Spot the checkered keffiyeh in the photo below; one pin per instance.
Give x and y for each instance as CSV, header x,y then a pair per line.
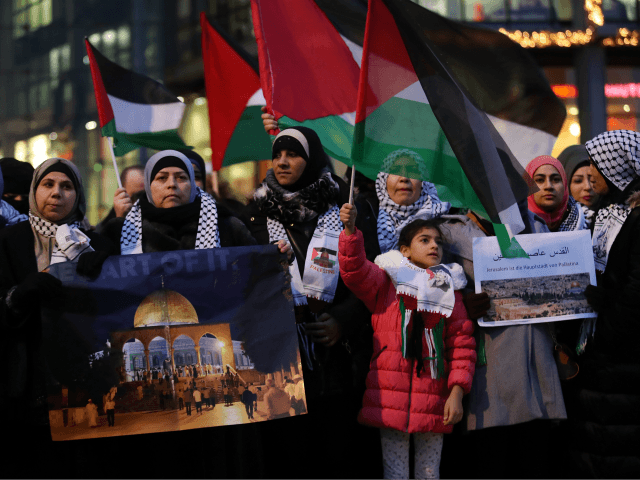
x,y
617,156
608,223
207,237
575,219
392,218
319,281
68,241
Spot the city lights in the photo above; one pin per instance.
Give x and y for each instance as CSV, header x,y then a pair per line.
x,y
90,125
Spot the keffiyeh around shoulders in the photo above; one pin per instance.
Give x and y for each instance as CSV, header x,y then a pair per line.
x,y
302,205
575,219
432,288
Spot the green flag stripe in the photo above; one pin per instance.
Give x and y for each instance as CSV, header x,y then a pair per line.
x,y
123,142
336,134
249,141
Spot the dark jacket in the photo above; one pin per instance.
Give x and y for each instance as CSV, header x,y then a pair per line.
x,y
334,375
21,337
158,237
604,412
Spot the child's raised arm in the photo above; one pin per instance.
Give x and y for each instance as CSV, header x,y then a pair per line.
x,y
348,214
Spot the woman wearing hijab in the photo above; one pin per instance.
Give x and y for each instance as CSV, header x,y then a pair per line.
x,y
552,201
403,199
175,214
52,235
605,419
575,160
299,202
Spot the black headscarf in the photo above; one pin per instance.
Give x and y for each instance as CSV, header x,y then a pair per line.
x,y
316,159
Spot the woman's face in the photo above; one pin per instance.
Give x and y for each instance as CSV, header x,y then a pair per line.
x,y
288,167
402,190
170,188
549,181
425,250
581,188
598,182
55,196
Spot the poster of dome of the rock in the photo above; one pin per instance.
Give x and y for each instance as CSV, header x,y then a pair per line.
x,y
172,341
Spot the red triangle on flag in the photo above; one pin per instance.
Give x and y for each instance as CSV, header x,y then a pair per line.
x,y
315,253
229,82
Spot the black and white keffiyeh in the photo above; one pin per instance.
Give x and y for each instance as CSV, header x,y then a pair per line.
x,y
575,220
617,156
321,268
608,223
392,217
68,241
276,202
208,235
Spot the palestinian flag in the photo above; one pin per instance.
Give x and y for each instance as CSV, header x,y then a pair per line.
x,y
308,73
321,49
234,98
135,110
414,120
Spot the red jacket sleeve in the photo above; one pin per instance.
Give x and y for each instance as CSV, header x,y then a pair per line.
x,y
364,278
460,346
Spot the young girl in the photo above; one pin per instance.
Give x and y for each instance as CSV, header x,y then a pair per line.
x,y
424,352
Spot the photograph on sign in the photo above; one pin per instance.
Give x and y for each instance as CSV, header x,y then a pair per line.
x,y
547,286
173,341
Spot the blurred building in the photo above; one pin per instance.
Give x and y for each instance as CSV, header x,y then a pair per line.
x,y
588,49
47,104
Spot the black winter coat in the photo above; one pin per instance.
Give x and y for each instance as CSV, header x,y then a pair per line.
x,y
21,336
604,412
337,372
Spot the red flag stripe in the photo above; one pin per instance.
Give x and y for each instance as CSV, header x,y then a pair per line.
x,y
229,83
105,112
298,45
382,52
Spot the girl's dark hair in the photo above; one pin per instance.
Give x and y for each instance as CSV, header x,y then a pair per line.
x,y
413,228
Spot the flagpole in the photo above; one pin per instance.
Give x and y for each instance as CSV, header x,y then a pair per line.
x,y
353,178
115,163
214,182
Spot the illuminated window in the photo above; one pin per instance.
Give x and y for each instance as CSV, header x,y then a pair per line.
x,y
20,151
29,16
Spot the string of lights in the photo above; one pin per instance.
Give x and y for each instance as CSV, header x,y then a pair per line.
x,y
573,38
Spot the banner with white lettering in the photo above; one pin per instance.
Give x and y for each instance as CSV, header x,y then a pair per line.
x,y
172,341
548,286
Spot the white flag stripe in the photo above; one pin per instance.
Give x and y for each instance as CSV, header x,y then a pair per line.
x,y
512,219
525,143
356,50
257,99
144,118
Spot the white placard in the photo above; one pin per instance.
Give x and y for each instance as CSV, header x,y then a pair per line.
x,y
546,287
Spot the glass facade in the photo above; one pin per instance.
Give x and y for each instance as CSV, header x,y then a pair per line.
x,y
525,11
622,92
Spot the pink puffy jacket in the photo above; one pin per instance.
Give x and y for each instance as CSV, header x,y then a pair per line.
x,y
396,397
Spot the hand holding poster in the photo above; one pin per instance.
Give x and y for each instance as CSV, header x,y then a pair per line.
x,y
546,287
171,341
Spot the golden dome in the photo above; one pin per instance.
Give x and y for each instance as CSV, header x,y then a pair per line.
x,y
164,307
574,284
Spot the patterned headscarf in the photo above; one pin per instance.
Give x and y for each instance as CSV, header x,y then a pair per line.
x,y
617,156
392,217
554,218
